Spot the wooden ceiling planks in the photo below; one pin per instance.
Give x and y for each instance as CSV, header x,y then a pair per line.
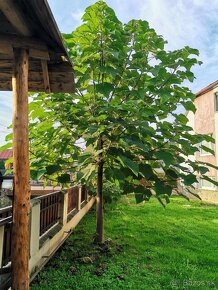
x,y
31,25
15,17
57,79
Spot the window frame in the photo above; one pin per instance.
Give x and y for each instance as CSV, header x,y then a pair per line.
x,y
216,101
202,151
213,187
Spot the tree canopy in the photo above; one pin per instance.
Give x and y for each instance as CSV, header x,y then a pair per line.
x,y
128,88
124,113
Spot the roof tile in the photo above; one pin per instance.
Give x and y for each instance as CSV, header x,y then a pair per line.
x,y
6,154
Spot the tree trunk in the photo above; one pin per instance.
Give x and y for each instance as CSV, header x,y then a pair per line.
x,y
21,200
99,200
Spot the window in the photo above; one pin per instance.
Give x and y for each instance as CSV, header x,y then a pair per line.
x,y
206,184
205,144
216,102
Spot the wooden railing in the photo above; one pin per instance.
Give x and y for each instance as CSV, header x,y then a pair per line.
x,y
49,211
73,195
7,177
5,223
5,212
83,194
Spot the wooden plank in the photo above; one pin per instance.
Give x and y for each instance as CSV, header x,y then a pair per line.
x,y
23,42
39,54
6,74
5,25
36,50
15,16
35,65
45,75
21,200
38,86
60,76
49,31
5,85
6,57
5,63
6,53
6,48
59,67
62,87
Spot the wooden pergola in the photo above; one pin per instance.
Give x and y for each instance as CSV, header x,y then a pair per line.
x,y
33,58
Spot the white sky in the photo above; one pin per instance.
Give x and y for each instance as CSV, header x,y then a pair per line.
x,y
181,22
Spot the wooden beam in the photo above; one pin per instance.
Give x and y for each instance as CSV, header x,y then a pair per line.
x,y
37,49
49,32
6,63
6,53
5,85
6,49
45,76
21,200
15,16
22,42
39,54
60,82
38,86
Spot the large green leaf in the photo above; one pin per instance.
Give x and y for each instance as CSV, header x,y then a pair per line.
x,y
139,197
105,88
64,178
146,171
203,169
162,188
51,169
171,173
189,106
167,157
126,162
6,146
37,174
189,179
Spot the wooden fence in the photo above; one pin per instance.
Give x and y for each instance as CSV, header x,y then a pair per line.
x,y
73,195
6,222
48,212
83,194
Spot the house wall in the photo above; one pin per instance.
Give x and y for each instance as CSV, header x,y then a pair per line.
x,y
216,133
191,123
204,123
204,116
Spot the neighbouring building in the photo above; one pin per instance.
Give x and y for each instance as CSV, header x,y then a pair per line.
x,y
205,121
4,156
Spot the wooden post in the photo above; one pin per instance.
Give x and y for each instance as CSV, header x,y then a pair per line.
x,y
79,196
99,198
64,208
2,232
34,227
21,201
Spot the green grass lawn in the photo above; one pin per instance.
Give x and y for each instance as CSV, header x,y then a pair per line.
x,y
148,247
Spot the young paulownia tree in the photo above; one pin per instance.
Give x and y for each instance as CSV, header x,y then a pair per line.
x,y
128,88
